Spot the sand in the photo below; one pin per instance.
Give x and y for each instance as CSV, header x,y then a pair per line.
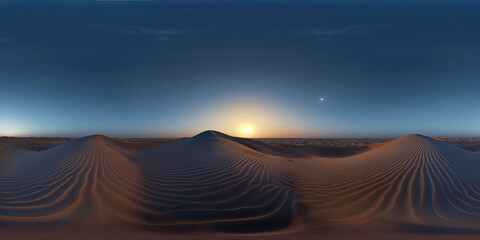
x,y
216,186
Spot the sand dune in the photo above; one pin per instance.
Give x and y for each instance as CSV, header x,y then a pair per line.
x,y
210,179
222,183
203,180
66,183
413,180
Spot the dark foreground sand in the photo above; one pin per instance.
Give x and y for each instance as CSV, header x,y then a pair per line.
x,y
214,186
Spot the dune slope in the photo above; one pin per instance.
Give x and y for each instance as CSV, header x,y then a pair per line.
x,y
414,179
210,179
71,182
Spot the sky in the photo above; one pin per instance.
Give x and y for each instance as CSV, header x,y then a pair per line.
x,y
281,68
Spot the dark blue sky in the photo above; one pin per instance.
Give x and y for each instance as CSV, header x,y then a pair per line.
x,y
175,68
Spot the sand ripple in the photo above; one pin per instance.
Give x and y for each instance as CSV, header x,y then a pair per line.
x,y
414,179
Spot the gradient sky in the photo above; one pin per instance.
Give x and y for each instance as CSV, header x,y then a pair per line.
x,y
176,68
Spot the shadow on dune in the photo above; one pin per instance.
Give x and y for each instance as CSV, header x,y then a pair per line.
x,y
473,148
209,180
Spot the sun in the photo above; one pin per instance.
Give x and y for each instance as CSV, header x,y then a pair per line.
x,y
246,130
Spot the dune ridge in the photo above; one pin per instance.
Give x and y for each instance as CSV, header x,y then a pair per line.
x,y
215,181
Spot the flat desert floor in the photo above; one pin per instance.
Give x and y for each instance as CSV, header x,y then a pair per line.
x,y
214,186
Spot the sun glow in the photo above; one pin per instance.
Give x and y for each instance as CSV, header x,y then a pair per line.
x,y
9,127
252,118
245,130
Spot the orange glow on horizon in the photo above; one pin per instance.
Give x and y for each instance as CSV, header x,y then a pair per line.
x,y
250,119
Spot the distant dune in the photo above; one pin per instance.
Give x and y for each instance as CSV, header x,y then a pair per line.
x,y
221,184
